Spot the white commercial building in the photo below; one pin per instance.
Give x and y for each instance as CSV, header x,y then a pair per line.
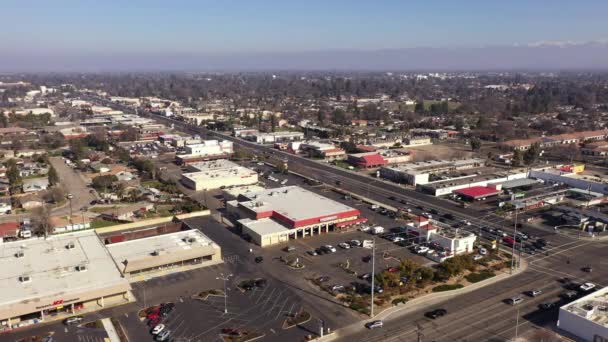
x,y
206,150
158,254
587,317
216,174
276,215
59,275
275,137
418,173
454,241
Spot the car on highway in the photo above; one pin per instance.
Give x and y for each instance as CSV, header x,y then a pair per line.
x,y
436,313
374,324
534,293
344,245
515,300
587,287
587,269
157,329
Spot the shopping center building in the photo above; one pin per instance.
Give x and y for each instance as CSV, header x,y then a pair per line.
x,y
276,215
60,275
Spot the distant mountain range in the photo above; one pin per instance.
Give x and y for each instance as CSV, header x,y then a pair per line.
x,y
535,56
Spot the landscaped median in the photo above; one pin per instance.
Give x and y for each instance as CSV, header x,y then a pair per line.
x,y
409,281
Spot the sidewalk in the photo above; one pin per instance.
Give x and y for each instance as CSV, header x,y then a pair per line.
x,y
420,302
110,329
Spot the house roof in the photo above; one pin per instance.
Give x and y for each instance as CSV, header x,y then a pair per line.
x,y
477,191
374,159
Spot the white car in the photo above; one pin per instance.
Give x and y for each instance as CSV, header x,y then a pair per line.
x,y
422,250
344,245
330,248
157,329
478,257
587,286
374,324
365,228
483,251
397,239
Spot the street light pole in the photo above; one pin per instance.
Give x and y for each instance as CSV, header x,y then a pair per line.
x,y
70,196
373,275
225,279
514,242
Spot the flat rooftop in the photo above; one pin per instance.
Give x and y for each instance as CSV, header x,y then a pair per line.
x,y
239,190
593,307
218,164
166,244
469,178
52,267
220,173
294,203
432,165
264,226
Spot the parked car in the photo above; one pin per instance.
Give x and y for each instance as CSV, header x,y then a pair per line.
x,y
355,243
73,320
569,295
483,251
338,288
587,287
541,242
163,336
323,279
259,260
312,253
478,257
397,239
392,269
289,249
421,250
436,313
546,306
374,324
157,329
344,245
366,258
330,248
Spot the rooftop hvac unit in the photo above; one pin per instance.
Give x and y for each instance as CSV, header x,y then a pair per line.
x,y
19,254
158,252
25,279
70,245
81,268
189,239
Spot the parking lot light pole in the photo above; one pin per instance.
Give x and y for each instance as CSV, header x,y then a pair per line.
x,y
514,242
225,279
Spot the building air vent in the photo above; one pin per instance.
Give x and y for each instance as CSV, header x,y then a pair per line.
x,y
19,254
70,245
81,268
25,279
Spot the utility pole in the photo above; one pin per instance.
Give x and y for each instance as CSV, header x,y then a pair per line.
x,y
69,197
419,332
514,242
225,279
373,275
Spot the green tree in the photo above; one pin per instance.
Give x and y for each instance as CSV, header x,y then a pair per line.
x,y
517,159
14,178
103,183
419,107
273,122
53,176
531,154
475,144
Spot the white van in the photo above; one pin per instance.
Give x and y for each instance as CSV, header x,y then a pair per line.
x,y
25,233
377,230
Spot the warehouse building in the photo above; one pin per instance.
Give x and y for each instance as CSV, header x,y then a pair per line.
x,y
218,174
276,215
205,150
57,276
420,172
587,317
161,254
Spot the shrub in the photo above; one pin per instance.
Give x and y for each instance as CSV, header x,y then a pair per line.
x,y
447,287
399,300
477,277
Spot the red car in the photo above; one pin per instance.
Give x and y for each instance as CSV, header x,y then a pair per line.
x,y
393,269
152,316
154,322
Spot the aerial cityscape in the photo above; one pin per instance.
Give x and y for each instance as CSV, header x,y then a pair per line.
x,y
272,171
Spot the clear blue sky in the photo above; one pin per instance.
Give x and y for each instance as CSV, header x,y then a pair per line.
x,y
220,26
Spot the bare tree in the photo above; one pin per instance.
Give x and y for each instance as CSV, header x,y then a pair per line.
x,y
41,220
